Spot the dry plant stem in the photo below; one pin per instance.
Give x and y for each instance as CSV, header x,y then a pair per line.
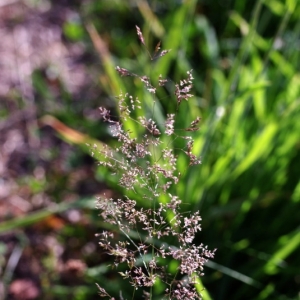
x,y
147,166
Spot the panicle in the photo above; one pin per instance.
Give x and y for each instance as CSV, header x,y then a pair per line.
x,y
149,216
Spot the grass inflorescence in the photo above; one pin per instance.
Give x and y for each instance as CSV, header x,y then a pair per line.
x,y
147,166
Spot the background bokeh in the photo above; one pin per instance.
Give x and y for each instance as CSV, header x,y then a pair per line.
x,y
57,61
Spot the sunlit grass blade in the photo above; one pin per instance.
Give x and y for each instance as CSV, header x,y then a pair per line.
x,y
260,148
288,244
73,136
201,289
37,216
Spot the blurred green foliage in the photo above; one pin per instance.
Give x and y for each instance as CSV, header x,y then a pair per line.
x,y
245,60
